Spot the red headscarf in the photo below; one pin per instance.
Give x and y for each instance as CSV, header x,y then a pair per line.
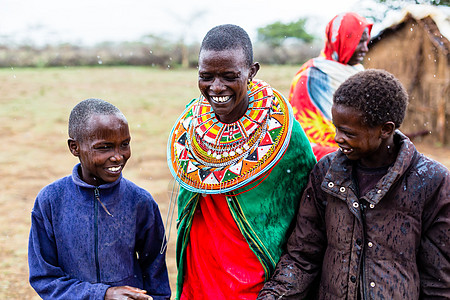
x,y
343,34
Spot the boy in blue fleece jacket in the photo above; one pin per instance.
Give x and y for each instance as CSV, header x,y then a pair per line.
x,y
95,234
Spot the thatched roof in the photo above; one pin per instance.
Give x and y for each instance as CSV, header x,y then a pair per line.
x,y
439,14
414,46
435,19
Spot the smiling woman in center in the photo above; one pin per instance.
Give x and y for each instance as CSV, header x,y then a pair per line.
x,y
242,161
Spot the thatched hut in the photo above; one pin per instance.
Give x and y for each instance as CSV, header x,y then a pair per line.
x,y
416,49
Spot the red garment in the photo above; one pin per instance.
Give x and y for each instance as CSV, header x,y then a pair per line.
x,y
312,89
320,151
219,261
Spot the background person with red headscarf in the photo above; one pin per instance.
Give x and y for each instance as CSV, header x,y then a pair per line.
x,y
311,93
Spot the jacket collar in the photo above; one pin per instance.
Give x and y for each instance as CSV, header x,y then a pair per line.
x,y
78,181
338,179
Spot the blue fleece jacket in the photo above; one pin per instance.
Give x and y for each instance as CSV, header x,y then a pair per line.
x,y
77,250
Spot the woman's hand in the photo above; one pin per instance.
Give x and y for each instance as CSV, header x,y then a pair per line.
x,y
126,293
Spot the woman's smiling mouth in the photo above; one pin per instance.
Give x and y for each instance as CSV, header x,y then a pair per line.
x,y
221,99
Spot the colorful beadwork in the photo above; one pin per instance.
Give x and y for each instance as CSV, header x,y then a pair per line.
x,y
208,156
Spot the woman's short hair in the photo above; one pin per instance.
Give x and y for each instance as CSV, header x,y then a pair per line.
x,y
228,36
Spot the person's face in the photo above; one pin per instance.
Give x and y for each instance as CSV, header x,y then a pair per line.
x,y
104,149
357,140
222,79
361,50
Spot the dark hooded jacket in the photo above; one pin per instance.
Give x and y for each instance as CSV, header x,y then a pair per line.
x,y
391,243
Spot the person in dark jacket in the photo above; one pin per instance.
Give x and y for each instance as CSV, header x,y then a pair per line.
x,y
95,234
374,220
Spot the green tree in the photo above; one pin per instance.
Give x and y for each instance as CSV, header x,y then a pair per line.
x,y
274,34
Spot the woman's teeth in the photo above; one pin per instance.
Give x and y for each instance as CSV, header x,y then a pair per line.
x,y
114,169
221,99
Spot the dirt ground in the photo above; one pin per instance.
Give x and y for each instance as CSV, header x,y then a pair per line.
x,y
35,105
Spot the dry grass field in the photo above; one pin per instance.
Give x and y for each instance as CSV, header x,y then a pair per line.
x,y
35,105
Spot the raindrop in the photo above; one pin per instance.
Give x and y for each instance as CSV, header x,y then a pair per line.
x,y
168,66
434,75
368,58
151,52
170,58
411,29
288,171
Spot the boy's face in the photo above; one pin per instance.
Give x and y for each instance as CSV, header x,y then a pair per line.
x,y
103,150
357,140
222,79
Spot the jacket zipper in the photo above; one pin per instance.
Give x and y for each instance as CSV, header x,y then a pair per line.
x,y
97,266
362,206
363,251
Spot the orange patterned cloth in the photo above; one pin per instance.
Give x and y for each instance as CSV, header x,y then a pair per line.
x,y
311,93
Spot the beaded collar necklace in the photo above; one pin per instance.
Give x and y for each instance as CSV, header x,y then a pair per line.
x,y
210,156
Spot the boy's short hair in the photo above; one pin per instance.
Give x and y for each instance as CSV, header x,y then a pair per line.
x,y
81,113
228,36
377,94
